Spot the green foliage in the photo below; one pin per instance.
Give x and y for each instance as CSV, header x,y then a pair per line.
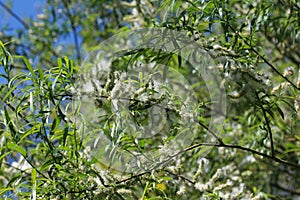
x,y
46,139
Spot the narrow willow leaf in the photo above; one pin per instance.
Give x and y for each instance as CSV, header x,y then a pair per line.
x,y
9,123
6,57
29,66
33,176
163,5
33,181
55,80
70,66
66,130
55,124
29,132
179,60
41,73
4,190
46,165
66,59
31,102
141,78
280,111
142,143
12,90
4,155
15,147
59,62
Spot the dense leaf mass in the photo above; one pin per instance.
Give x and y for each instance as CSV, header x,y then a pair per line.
x,y
150,99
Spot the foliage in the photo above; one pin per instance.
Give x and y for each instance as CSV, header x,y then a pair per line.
x,y
246,149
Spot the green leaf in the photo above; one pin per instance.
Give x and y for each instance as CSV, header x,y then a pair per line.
x,y
142,143
4,190
179,60
28,65
33,180
12,89
66,130
270,113
55,124
47,164
9,123
279,111
29,132
59,62
4,155
15,147
33,176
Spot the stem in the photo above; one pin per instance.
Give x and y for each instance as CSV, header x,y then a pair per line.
x,y
268,125
75,35
263,58
278,160
27,27
14,15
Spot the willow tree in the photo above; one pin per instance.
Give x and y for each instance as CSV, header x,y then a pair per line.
x,y
151,99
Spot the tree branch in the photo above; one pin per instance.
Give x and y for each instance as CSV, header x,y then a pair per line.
x,y
262,57
178,176
268,125
76,42
244,149
26,26
278,160
294,192
14,15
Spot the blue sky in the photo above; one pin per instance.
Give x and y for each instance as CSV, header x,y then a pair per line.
x,y
24,8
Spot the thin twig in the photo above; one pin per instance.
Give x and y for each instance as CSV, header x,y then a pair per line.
x,y
26,26
14,15
268,125
211,132
75,35
278,160
294,192
179,176
133,177
245,149
263,58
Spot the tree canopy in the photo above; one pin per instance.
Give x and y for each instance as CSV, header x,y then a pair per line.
x,y
150,99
